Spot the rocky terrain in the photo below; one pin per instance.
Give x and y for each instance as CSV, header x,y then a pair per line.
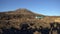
x,y
22,21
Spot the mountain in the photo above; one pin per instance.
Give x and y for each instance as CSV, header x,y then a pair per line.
x,y
18,17
15,18
20,11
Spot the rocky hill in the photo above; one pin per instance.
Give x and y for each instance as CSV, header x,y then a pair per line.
x,y
18,17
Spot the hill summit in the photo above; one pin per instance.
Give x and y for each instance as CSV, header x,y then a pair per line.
x,y
22,11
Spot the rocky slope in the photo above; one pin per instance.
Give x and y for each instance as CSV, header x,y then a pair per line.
x,y
18,17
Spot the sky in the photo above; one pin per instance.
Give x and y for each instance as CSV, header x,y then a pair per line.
x,y
45,7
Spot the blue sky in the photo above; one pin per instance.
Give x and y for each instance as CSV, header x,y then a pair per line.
x,y
46,7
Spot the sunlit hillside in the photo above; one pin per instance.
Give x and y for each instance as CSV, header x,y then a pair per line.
x,y
24,16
